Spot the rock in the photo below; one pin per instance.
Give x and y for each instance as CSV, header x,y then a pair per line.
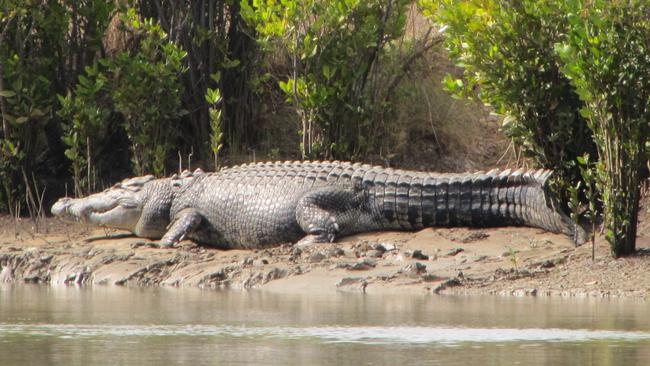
x,y
363,265
547,264
387,247
454,251
414,269
296,252
340,265
362,246
430,277
146,244
524,292
453,282
360,249
248,261
260,262
274,274
375,253
474,236
417,254
31,278
317,257
335,252
346,281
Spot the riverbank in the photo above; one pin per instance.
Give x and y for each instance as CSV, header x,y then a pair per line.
x,y
506,261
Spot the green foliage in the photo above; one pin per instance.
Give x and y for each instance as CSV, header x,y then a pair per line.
x,y
559,70
213,97
512,254
30,33
334,46
146,91
85,113
607,57
506,51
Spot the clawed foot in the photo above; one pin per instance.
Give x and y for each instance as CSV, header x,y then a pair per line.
x,y
318,235
166,244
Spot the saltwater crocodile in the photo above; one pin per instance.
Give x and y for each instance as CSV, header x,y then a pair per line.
x,y
264,204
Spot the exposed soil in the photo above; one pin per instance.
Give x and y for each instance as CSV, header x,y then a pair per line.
x,y
511,261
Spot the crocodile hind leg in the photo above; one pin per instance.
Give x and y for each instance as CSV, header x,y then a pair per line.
x,y
328,212
184,223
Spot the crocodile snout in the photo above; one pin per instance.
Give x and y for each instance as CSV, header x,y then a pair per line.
x,y
61,206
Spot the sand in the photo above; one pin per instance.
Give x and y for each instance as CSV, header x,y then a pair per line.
x,y
514,261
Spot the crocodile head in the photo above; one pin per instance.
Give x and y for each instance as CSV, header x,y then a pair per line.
x,y
140,205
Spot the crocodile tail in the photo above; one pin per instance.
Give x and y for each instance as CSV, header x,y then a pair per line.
x,y
411,200
544,211
523,197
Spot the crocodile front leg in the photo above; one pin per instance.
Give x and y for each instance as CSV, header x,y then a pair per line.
x,y
329,212
183,223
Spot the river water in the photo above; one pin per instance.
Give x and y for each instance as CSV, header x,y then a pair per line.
x,y
42,325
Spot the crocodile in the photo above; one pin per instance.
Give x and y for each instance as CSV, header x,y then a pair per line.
x,y
264,204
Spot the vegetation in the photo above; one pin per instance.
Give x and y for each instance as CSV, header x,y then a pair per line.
x,y
506,50
107,89
561,72
606,55
334,47
213,97
146,91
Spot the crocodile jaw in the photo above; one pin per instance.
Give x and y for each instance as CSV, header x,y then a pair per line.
x,y
102,209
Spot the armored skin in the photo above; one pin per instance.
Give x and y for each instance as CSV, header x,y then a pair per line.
x,y
264,204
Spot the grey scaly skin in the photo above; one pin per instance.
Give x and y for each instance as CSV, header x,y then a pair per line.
x,y
264,204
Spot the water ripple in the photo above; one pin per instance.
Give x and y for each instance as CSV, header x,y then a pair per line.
x,y
328,334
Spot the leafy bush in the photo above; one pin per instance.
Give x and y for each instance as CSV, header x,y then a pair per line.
x,y
29,35
570,76
213,97
607,57
333,46
506,50
85,114
146,91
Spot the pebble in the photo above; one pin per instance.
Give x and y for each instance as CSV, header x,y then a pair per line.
x,y
417,254
317,257
388,247
547,264
453,282
454,251
335,252
430,277
414,268
348,281
274,274
363,265
260,262
375,253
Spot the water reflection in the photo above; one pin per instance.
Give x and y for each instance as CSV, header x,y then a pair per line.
x,y
109,325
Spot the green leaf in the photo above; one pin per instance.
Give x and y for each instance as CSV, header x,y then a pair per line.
x,y
7,93
37,113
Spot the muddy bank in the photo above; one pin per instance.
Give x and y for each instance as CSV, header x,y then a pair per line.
x,y
512,261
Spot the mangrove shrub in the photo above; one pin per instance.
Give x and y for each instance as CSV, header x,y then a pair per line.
x,y
607,56
506,52
333,47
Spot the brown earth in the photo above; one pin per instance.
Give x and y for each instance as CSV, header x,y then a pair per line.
x,y
510,261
